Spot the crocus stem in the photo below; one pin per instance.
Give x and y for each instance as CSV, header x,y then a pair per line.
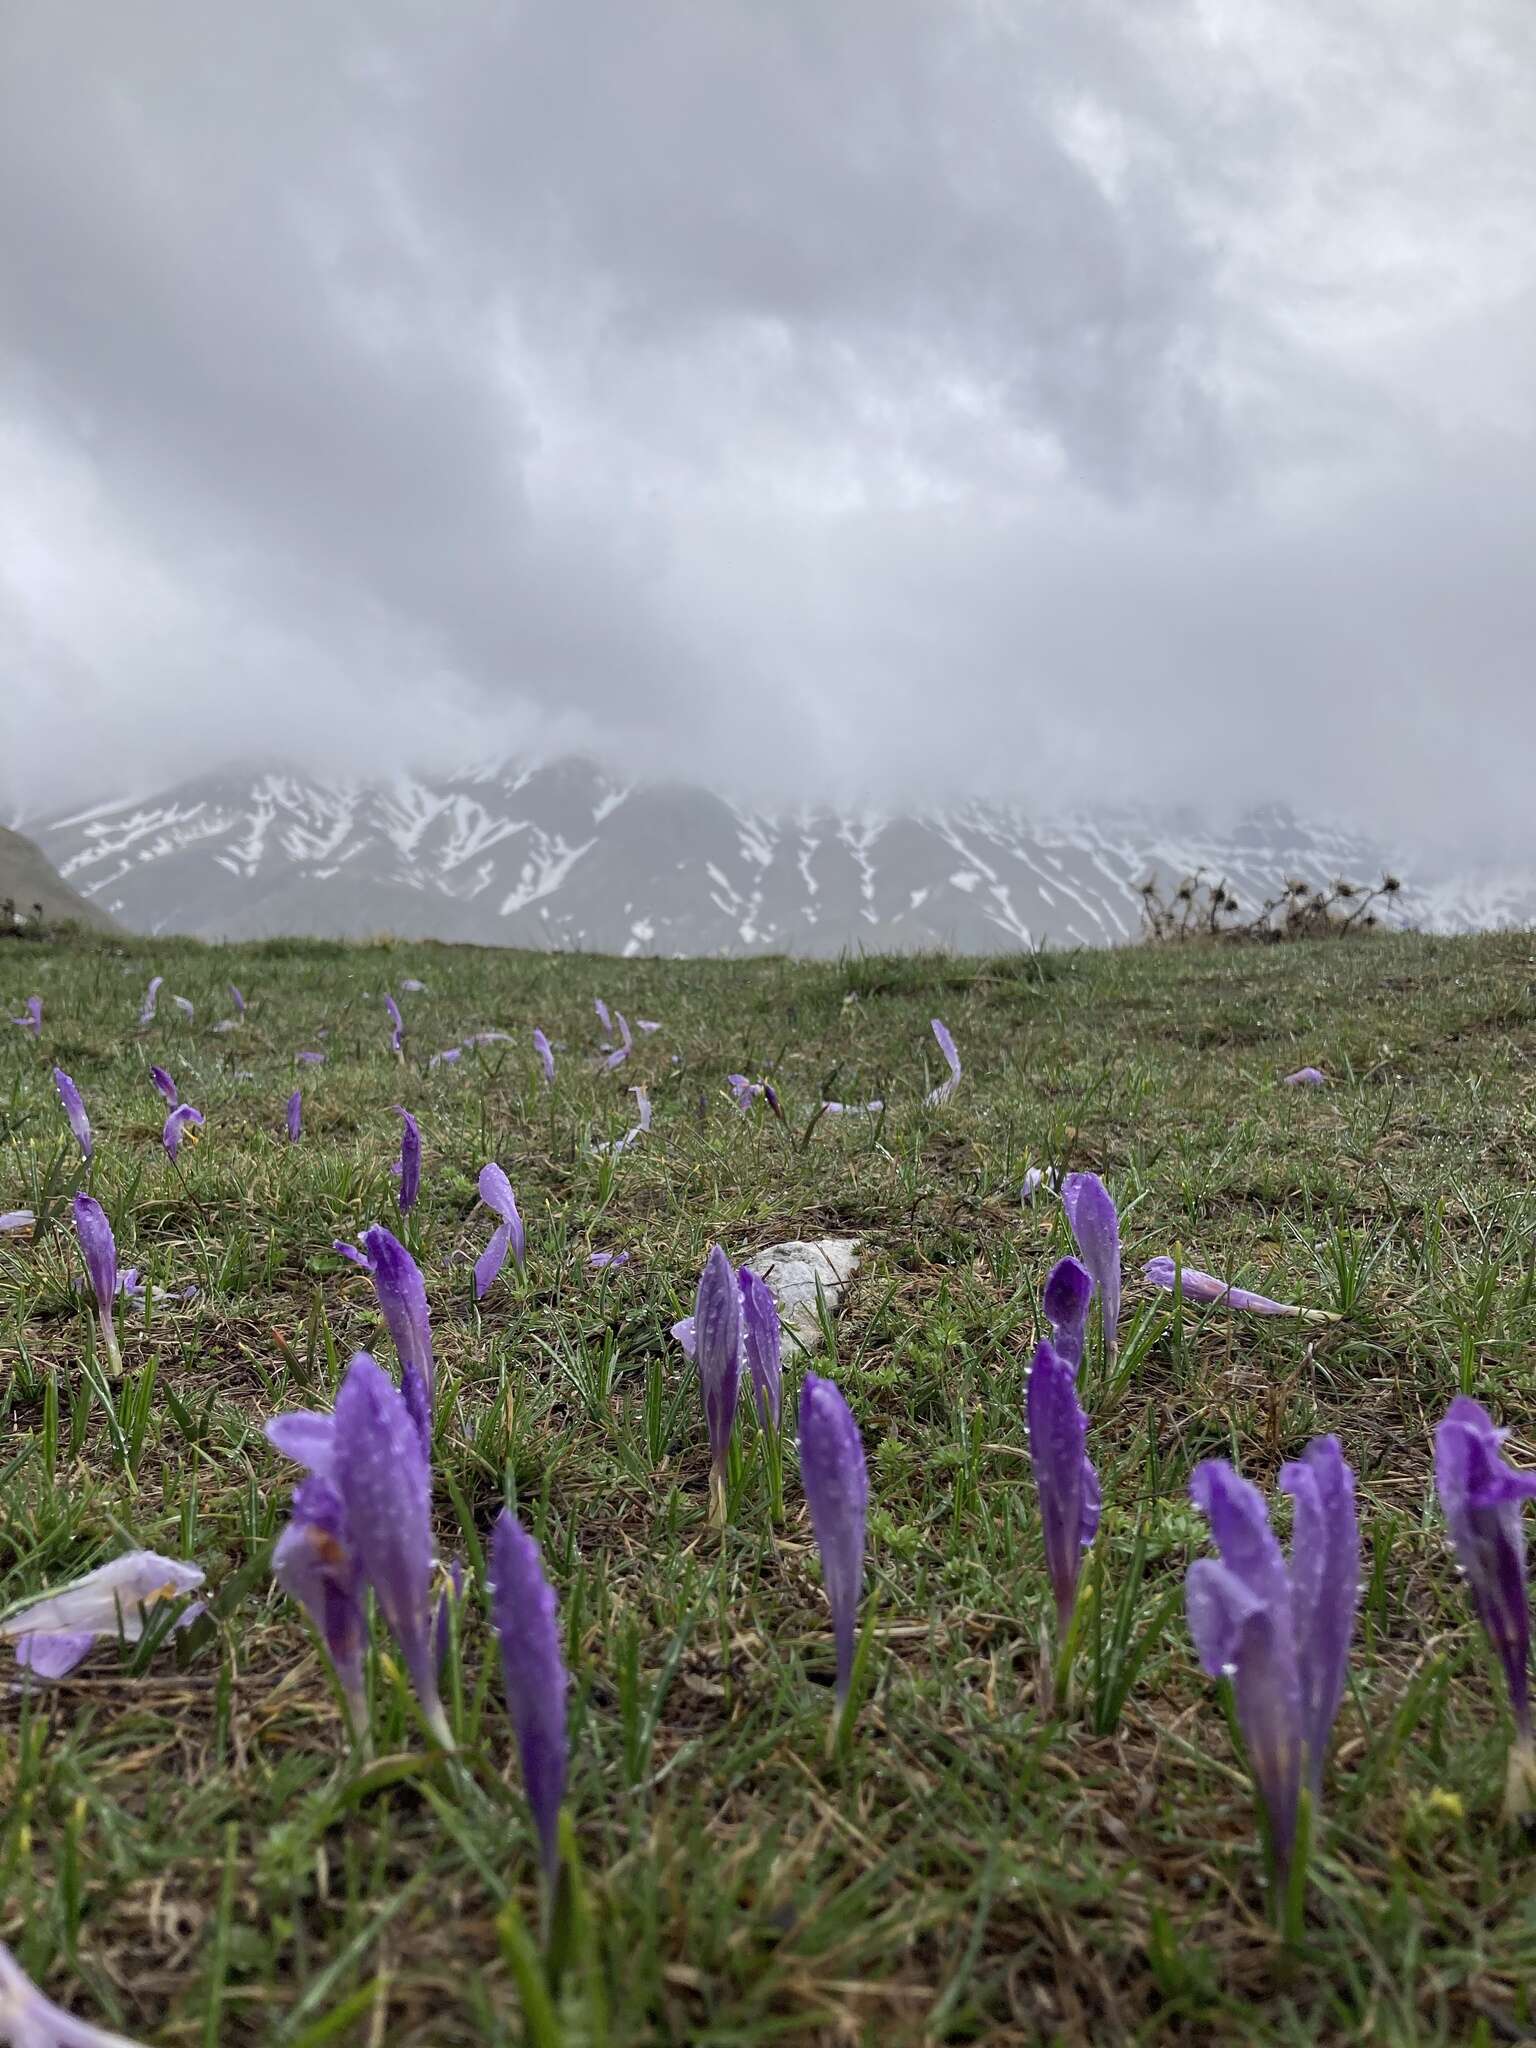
x,y
1291,1881
717,1496
1520,1781
109,1345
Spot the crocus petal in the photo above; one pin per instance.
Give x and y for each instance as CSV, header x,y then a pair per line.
x,y
29,2020
1034,1180
852,1108
176,1126
1306,1077
350,1251
185,1007
626,1043
409,1169
1064,1476
32,1021
412,987
402,1297
836,1482
763,1343
605,1259
74,1109
382,1477
397,1023
718,1354
98,1248
309,1059
237,999
54,1656
746,1092
306,1436
936,1097
638,1130
1482,1498
448,1057
315,1563
647,1024
527,1624
545,1051
683,1332
115,1595
295,1116
151,998
1095,1225
496,1193
603,1017
16,1219
165,1084
1068,1291
1198,1286
1325,1586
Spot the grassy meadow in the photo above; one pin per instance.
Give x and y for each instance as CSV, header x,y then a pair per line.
x,y
191,1854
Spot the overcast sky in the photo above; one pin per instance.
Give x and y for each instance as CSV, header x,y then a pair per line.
x,y
847,396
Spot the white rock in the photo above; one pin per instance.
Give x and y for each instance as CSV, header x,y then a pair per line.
x,y
792,1270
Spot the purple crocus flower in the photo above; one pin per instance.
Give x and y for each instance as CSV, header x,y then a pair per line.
x,y
295,1116
185,1007
527,1626
852,1108
176,1127
151,999
23,1219
937,1097
448,1057
54,1634
33,1020
382,1476
165,1084
315,1563
603,1017
74,1109
496,1193
647,1024
237,999
1068,1291
1096,1231
1064,1476
397,1025
411,987
402,1297
1306,1077
625,1046
408,1169
309,1059
1281,1635
1483,1500
717,1357
602,1260
29,2020
836,1482
762,1342
546,1053
99,1250
1197,1286
746,1092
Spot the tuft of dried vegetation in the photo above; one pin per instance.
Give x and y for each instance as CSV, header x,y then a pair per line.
x,y
1198,908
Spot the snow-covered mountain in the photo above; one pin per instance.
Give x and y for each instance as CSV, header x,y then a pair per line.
x,y
557,854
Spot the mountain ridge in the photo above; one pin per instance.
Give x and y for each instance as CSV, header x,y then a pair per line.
x,y
561,854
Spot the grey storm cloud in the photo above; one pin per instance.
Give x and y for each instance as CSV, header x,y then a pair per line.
x,y
1094,398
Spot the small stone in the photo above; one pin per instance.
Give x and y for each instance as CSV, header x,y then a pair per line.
x,y
792,1270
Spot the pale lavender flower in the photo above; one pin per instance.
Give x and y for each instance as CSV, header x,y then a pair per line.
x,y
295,1116
407,1169
382,1475
717,1358
1095,1225
99,1250
309,1059
937,1097
836,1482
487,1038
1483,1499
1306,1077
448,1057
397,1025
54,1634
176,1127
1068,1291
1034,1180
603,1017
1065,1479
637,1130
411,987
32,1022
527,1623
647,1024
237,999
402,1297
185,1007
600,1259
625,1046
852,1108
1281,1635
1205,1287
545,1051
151,999
762,1342
746,1092
496,1193
16,1219
29,2020
315,1564
165,1084
74,1109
